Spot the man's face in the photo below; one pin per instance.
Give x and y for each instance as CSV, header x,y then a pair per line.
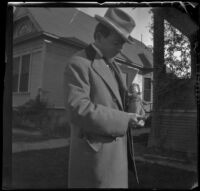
x,y
111,45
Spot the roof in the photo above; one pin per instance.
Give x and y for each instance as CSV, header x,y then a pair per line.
x,y
74,24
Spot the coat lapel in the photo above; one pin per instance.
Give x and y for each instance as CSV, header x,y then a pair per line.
x,y
104,72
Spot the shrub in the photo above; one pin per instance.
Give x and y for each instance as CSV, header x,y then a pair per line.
x,y
34,112
36,115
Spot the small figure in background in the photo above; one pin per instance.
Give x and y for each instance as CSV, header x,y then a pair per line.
x,y
135,103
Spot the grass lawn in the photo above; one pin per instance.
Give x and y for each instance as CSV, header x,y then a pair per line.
x,y
46,169
152,176
40,169
40,136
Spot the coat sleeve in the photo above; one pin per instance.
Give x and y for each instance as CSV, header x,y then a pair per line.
x,y
90,117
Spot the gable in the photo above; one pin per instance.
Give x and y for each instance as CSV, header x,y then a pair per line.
x,y
19,13
24,23
22,27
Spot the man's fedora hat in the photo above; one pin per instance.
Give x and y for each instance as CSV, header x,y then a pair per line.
x,y
120,21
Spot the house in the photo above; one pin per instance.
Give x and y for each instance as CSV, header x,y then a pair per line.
x,y
174,125
43,41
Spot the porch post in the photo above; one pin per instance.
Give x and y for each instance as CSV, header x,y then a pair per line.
x,y
158,64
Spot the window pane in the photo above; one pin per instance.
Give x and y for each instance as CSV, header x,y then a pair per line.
x,y
147,83
147,95
15,74
24,78
147,89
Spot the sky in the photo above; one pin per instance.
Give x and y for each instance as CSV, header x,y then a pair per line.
x,y
140,15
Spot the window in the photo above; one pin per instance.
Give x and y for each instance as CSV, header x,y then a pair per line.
x,y
16,62
147,89
21,74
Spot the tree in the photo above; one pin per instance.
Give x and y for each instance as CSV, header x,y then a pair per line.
x,y
177,50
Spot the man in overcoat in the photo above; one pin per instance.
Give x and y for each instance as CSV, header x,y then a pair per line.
x,y
95,104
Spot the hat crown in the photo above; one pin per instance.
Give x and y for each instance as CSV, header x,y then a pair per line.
x,y
120,19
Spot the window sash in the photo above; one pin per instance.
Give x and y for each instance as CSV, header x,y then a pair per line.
x,y
21,75
16,71
147,89
147,95
24,77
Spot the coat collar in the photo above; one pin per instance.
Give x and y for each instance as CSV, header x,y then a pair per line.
x,y
100,67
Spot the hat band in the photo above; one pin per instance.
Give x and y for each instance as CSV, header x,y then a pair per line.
x,y
118,27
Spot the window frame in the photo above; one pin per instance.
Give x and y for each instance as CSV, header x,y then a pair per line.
x,y
20,71
144,89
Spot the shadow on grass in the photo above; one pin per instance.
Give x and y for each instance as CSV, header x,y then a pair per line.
x,y
40,169
47,169
153,176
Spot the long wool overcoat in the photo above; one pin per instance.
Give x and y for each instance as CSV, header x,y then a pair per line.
x,y
98,144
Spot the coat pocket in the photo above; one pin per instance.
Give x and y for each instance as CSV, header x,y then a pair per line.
x,y
96,142
96,146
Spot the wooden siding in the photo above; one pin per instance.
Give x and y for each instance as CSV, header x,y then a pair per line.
x,y
176,130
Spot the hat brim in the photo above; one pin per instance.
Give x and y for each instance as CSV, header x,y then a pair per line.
x,y
109,24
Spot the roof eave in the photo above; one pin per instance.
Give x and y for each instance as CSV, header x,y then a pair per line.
x,y
26,37
51,36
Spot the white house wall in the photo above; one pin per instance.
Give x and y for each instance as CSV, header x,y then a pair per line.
x,y
56,59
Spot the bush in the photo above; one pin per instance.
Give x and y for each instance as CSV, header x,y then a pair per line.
x,y
32,113
36,115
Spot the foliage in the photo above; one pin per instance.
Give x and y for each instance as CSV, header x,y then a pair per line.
x,y
34,111
177,50
36,115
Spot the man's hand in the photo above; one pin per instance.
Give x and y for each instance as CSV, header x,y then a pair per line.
x,y
141,123
136,120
